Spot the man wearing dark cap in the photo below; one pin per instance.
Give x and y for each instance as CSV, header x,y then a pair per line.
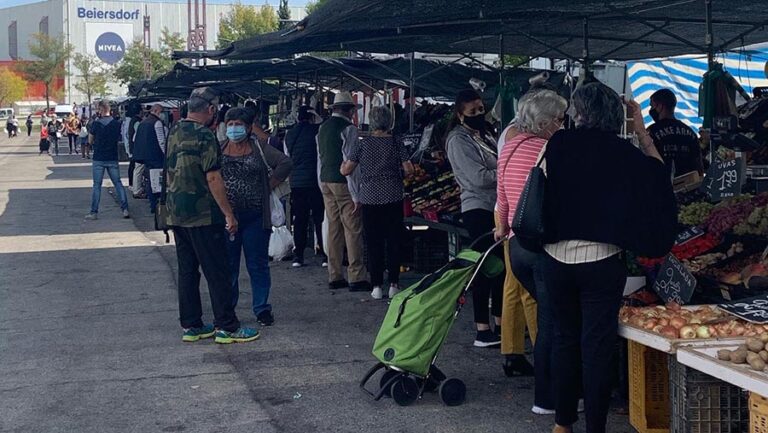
x,y
335,140
675,141
201,218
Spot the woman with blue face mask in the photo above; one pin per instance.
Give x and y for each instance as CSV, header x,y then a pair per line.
x,y
248,183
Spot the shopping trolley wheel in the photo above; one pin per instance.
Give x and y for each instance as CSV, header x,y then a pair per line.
x,y
436,377
405,391
453,392
386,377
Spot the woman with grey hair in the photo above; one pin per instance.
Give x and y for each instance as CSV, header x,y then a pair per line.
x,y
380,159
603,196
541,113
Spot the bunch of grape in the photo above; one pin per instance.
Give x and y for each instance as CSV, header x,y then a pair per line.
x,y
726,215
695,213
755,224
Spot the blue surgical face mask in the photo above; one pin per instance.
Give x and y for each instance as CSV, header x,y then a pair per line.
x,y
236,132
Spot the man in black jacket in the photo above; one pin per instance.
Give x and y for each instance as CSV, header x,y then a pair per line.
x,y
149,149
306,197
104,137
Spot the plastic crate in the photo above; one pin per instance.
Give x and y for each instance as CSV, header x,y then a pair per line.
x,y
649,407
430,251
758,413
703,404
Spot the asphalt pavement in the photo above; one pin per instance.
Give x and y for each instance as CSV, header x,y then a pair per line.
x,y
90,340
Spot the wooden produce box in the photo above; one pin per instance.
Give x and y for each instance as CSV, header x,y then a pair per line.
x,y
649,406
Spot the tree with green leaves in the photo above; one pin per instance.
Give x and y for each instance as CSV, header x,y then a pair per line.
x,y
245,21
312,6
52,54
284,14
12,87
133,66
93,76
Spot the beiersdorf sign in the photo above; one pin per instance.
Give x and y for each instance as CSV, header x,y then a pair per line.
x,y
108,15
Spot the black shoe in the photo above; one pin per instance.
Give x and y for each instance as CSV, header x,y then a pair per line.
x,y
487,338
517,365
360,286
266,318
338,284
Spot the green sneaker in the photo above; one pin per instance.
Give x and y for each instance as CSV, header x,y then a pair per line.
x,y
194,334
242,335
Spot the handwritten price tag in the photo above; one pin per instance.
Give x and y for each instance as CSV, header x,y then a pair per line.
x,y
674,283
723,179
753,310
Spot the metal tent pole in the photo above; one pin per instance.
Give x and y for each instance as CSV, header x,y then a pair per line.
x,y
412,88
585,51
709,38
501,78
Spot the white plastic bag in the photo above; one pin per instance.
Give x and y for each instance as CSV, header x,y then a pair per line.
x,y
280,243
324,231
278,214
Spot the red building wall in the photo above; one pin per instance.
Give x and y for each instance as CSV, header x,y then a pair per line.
x,y
36,89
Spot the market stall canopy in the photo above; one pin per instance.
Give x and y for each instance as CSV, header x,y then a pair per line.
x,y
148,91
434,79
616,29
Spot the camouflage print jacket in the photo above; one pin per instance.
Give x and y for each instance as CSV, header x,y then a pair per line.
x,y
193,151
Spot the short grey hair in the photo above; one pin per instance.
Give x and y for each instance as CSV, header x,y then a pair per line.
x,y
597,106
242,114
537,109
380,119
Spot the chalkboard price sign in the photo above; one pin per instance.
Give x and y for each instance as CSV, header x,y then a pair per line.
x,y
688,235
674,283
753,310
723,179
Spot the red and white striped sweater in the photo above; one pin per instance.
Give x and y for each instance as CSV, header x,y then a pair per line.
x,y
517,158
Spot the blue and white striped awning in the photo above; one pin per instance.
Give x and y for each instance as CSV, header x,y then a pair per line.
x,y
683,75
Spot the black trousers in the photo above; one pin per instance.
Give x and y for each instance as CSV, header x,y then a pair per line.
x,y
479,222
585,301
131,168
527,267
383,231
204,247
72,142
29,130
306,202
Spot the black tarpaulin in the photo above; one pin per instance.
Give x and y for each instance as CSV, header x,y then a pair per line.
x,y
616,29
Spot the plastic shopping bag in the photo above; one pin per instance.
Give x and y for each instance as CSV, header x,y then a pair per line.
x,y
280,243
278,214
324,231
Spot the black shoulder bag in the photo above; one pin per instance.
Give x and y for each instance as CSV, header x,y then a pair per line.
x,y
528,223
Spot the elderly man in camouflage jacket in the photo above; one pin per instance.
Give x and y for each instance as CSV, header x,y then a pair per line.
x,y
201,219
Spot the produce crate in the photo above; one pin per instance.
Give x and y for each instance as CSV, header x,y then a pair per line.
x,y
430,251
758,413
703,404
649,408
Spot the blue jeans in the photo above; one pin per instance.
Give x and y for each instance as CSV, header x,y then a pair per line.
x,y
252,238
113,170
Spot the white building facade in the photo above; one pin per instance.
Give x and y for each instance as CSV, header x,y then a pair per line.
x,y
105,28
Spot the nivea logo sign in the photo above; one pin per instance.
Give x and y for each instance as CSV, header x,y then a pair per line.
x,y
110,48
107,15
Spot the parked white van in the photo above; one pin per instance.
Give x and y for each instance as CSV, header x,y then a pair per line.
x,y
5,113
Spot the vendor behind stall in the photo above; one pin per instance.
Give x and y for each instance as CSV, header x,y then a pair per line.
x,y
676,142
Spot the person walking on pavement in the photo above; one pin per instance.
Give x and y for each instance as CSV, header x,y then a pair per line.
x,y
53,136
82,137
306,197
29,125
345,226
130,123
247,177
104,137
72,128
149,149
201,218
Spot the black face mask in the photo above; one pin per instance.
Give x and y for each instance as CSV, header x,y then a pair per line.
x,y
475,122
654,114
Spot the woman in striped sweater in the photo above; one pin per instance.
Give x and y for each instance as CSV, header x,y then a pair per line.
x,y
541,113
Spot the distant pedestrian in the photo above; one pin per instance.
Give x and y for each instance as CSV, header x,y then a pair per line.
x,y
149,149
82,138
128,130
199,212
12,125
29,125
45,144
53,136
104,136
72,129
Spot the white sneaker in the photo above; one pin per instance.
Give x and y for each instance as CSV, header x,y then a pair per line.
x,y
376,293
92,216
580,408
393,290
126,214
541,411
